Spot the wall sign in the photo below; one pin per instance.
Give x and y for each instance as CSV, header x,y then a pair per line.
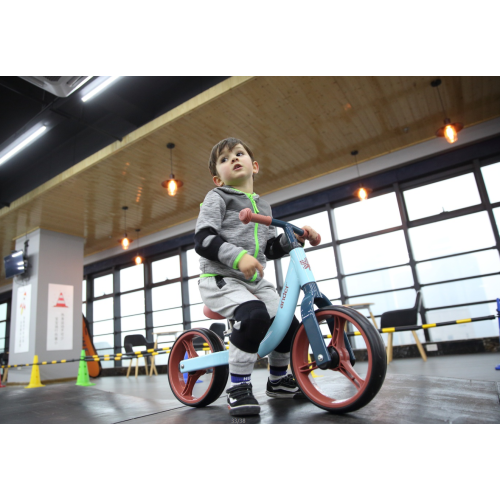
x,y
23,315
60,318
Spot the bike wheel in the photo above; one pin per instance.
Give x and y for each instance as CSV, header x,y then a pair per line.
x,y
340,389
202,387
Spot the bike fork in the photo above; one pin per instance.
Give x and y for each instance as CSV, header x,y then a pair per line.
x,y
312,296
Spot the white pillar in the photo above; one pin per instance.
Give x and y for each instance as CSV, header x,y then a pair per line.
x,y
54,330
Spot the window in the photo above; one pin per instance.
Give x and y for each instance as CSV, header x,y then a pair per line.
x,y
319,222
193,263
132,303
167,296
84,298
387,301
386,250
461,266
322,263
103,286
167,314
378,281
270,272
496,213
166,269
464,330
443,196
374,214
461,234
132,278
103,309
481,289
491,176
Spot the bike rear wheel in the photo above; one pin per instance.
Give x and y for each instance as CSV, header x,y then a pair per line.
x,y
202,387
342,388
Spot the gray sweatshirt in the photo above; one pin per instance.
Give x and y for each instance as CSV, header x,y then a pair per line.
x,y
221,239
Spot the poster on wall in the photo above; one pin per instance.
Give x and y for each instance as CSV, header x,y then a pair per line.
x,y
60,318
23,315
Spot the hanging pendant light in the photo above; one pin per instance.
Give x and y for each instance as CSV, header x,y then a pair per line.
x,y
361,192
171,184
138,258
125,241
450,130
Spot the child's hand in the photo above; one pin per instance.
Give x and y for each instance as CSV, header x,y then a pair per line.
x,y
312,234
248,265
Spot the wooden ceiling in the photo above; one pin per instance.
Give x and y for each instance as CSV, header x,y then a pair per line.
x,y
298,127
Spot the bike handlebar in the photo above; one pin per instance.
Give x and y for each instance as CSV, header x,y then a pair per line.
x,y
246,216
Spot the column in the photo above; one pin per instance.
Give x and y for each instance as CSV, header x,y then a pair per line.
x,y
46,317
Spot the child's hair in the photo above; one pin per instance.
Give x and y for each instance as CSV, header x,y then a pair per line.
x,y
230,143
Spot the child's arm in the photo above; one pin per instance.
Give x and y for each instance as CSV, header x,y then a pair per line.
x,y
313,235
278,246
208,242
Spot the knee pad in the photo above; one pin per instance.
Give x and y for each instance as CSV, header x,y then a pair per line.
x,y
286,343
251,322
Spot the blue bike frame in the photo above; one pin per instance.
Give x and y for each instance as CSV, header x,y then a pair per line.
x,y
299,276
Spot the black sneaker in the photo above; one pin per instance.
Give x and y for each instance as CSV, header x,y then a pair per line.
x,y
241,401
285,388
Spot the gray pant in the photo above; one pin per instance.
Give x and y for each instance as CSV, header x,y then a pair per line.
x,y
226,299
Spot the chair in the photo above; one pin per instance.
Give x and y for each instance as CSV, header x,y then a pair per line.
x,y
219,329
136,340
402,317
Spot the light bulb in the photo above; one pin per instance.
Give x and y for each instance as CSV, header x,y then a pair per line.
x,y
450,134
138,260
125,243
362,194
172,187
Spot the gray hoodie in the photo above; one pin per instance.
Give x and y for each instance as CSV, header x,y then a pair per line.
x,y
221,239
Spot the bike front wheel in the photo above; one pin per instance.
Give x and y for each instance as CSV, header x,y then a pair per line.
x,y
202,387
341,388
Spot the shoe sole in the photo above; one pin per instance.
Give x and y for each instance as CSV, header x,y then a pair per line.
x,y
289,395
244,410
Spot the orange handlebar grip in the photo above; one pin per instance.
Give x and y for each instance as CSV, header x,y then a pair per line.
x,y
246,216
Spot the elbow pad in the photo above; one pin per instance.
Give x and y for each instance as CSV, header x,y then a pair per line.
x,y
274,250
207,243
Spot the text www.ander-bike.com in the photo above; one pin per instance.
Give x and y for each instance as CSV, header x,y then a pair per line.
x,y
395,481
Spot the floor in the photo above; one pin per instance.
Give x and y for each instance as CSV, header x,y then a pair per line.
x,y
445,389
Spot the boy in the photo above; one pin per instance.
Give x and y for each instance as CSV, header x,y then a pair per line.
x,y
232,261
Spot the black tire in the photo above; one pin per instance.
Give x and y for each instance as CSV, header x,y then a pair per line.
x,y
215,378
320,392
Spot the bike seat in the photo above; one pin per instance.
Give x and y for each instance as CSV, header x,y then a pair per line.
x,y
210,314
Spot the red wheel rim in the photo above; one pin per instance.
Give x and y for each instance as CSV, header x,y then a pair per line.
x,y
303,366
184,389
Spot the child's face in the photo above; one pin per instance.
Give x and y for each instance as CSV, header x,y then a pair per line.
x,y
235,167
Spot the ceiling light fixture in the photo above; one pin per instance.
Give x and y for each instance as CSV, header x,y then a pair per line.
x,y
450,130
171,184
24,142
125,241
138,258
97,90
361,192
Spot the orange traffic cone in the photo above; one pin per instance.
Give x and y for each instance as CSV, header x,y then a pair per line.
x,y
35,375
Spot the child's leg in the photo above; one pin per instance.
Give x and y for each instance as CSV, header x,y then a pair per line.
x,y
231,298
279,359
282,384
251,322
